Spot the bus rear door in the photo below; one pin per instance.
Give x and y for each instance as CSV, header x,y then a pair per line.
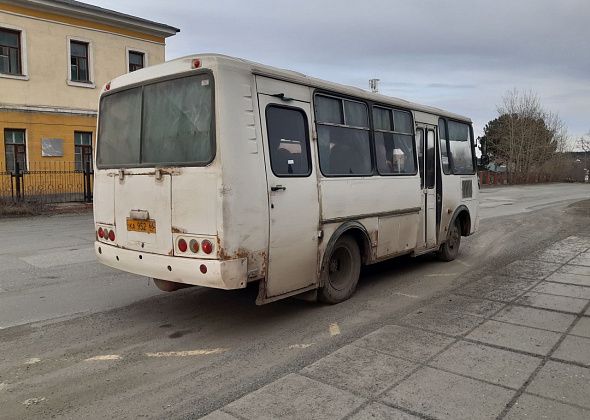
x,y
293,195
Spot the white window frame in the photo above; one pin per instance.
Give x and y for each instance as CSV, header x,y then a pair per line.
x,y
139,50
24,67
70,82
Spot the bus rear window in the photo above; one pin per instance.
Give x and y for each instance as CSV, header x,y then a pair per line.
x,y
120,128
159,124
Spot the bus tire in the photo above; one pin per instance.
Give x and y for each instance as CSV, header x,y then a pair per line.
x,y
450,249
341,271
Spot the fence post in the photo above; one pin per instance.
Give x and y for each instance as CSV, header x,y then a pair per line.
x,y
17,175
87,184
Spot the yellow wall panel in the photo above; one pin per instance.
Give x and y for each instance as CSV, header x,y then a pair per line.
x,y
44,125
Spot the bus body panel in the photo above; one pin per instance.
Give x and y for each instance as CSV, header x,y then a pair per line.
x,y
243,225
132,202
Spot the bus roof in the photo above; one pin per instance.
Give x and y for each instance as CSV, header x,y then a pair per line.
x,y
288,76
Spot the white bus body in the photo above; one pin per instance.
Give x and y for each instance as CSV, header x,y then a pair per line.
x,y
272,176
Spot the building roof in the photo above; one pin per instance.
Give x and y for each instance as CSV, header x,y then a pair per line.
x,y
98,14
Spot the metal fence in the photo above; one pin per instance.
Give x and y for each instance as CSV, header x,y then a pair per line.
x,y
46,182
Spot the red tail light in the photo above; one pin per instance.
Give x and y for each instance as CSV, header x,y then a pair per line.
x,y
112,236
182,246
207,246
194,246
203,268
100,233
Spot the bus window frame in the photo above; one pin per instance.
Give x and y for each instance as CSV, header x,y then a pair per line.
x,y
412,134
368,105
307,139
151,82
471,143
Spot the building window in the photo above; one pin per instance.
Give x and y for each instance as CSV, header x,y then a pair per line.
x,y
79,68
82,150
10,52
136,61
15,150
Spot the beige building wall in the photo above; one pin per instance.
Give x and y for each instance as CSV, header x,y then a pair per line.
x,y
46,61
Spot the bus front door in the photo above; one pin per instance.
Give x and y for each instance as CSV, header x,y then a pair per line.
x,y
293,195
430,187
426,143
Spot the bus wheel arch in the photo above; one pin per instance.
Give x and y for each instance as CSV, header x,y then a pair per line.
x,y
460,225
464,218
360,235
347,250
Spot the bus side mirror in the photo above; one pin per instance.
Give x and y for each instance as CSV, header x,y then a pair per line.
x,y
484,160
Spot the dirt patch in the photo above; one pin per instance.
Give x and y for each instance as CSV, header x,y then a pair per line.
x,y
20,209
581,208
26,209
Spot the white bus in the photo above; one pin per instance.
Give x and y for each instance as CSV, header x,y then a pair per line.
x,y
216,171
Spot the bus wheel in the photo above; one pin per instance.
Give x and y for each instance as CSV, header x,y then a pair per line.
x,y
169,286
341,271
450,249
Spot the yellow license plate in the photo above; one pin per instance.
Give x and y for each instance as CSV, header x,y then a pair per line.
x,y
143,226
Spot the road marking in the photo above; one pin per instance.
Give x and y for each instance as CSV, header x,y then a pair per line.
x,y
334,329
464,263
32,361
186,353
56,259
301,346
103,358
442,275
406,295
32,401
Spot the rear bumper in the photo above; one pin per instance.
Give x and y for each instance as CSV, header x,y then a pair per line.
x,y
228,274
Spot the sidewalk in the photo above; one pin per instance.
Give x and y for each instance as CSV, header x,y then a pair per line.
x,y
513,345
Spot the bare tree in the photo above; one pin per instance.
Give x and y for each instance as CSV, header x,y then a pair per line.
x,y
525,136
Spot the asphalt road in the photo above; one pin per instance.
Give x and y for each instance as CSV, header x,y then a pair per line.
x,y
81,340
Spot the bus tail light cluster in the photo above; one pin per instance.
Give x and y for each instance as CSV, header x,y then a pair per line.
x,y
106,234
195,247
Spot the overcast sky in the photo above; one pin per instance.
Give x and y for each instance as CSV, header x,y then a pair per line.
x,y
460,55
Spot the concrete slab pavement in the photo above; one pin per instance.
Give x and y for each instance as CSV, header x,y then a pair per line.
x,y
513,345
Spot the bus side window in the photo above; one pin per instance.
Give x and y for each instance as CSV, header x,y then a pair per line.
x,y
343,137
288,141
420,147
394,142
444,146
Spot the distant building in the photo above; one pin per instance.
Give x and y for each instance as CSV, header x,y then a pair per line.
x,y
55,55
